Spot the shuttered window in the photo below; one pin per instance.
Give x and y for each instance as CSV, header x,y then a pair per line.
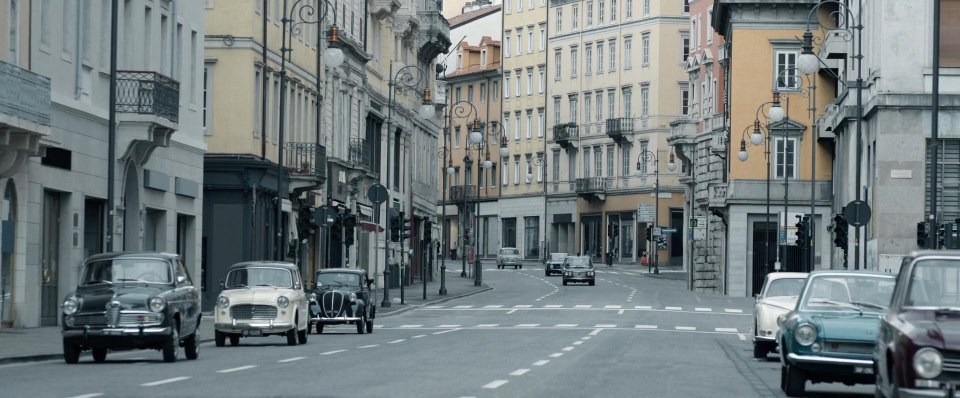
x,y
948,179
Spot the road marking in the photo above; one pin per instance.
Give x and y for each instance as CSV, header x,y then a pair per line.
x,y
292,359
495,384
642,307
727,330
418,336
511,311
378,326
733,310
333,352
237,369
620,312
368,346
463,306
448,326
91,395
446,331
433,307
541,362
585,338
565,325
582,306
487,325
674,308
612,307
556,355
519,372
397,341
523,306
595,332
528,325
493,306
645,327
701,309
578,342
553,306
165,381
685,328
568,348
742,336
605,325
411,326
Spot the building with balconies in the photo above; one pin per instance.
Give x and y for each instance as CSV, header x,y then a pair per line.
x,y
616,84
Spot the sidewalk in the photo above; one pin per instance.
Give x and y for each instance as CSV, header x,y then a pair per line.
x,y
45,343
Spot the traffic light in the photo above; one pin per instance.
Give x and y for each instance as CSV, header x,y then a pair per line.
x,y
649,237
840,231
801,231
427,231
922,235
404,226
394,226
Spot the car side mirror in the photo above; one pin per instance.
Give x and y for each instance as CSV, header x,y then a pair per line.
x,y
181,279
221,285
369,282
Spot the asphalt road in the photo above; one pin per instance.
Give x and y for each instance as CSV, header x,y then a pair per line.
x,y
628,336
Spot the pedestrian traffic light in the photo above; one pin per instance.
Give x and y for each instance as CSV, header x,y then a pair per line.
x,y
394,227
801,231
922,234
404,226
840,231
941,235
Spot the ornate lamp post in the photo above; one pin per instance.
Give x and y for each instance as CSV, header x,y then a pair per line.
x,y
477,140
443,154
648,157
458,110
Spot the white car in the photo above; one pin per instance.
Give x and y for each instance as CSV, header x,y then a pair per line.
x,y
778,297
262,298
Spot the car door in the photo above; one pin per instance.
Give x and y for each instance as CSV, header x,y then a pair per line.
x,y
300,298
190,299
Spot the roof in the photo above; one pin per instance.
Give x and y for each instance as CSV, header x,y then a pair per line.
x,y
472,15
786,275
473,70
132,254
849,272
278,264
341,270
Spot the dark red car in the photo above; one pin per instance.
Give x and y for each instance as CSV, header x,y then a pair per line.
x,y
918,347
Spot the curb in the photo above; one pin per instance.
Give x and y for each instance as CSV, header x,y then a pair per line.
x,y
409,307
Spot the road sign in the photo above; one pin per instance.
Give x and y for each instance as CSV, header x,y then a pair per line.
x,y
377,193
646,212
857,213
668,230
325,216
655,231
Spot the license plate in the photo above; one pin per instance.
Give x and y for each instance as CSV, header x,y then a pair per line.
x,y
864,370
253,332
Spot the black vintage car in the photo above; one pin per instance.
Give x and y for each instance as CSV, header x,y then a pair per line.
x,y
342,296
132,300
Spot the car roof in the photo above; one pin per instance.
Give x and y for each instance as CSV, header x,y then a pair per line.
x,y
786,275
277,264
132,254
341,270
586,257
850,273
508,248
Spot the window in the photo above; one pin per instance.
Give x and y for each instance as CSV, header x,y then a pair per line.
x,y
598,160
543,79
628,52
575,17
557,58
456,137
709,18
785,158
541,123
627,101
506,85
645,49
556,166
644,100
684,100
646,7
517,88
611,104
530,81
519,41
483,92
69,8
628,8
556,110
519,5
257,99
599,57
505,170
573,61
540,167
586,163
529,123
685,51
483,57
531,237
457,95
612,44
625,160
469,93
949,33
529,169
13,32
516,170
519,126
610,156
600,12
496,90
506,123
589,13
574,107
786,70
587,107
543,37
530,40
572,166
588,58
506,44
559,19
613,10
686,5
207,103
507,5
599,106
532,3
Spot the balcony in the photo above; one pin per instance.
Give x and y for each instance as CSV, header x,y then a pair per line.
x,y
564,134
24,116
148,93
434,31
462,193
361,154
592,188
307,164
618,128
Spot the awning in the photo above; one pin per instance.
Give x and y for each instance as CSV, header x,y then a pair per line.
x,y
368,226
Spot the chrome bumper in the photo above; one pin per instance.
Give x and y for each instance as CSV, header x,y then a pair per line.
x,y
266,326
821,360
764,339
336,320
120,331
926,393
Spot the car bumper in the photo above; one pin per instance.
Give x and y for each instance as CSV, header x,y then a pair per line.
x,y
244,327
579,278
763,339
822,360
119,337
927,393
824,368
341,319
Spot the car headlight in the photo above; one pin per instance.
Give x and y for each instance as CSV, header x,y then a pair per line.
x,y
223,301
928,363
353,297
70,306
781,319
805,335
313,297
283,301
590,273
157,304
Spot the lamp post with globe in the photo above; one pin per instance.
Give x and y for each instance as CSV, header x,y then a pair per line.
x,y
648,157
476,139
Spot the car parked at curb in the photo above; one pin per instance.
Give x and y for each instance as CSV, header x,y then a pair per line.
x,y
509,257
343,296
830,335
261,298
917,350
554,264
132,300
778,297
578,269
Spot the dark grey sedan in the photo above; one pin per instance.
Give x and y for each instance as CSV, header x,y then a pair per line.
x,y
578,269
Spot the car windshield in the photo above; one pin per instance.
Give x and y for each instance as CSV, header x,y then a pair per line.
x,y
124,270
509,252
557,256
935,283
785,287
862,293
337,279
259,276
577,262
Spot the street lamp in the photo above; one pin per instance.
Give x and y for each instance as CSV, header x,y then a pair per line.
x,y
476,140
333,57
461,110
648,157
443,154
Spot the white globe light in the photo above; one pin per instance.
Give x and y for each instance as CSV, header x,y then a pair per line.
x,y
487,164
756,138
639,173
504,152
476,137
808,63
671,165
775,114
451,170
426,111
742,155
333,57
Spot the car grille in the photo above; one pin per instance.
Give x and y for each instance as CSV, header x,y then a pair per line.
x,y
252,311
137,318
96,320
846,347
332,304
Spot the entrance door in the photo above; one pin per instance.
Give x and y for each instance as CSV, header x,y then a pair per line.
x,y
764,237
50,265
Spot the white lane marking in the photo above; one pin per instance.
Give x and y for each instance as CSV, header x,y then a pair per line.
x,y
645,327
568,348
733,310
397,341
333,352
511,311
411,326
446,331
565,325
495,384
91,395
620,312
164,381
541,362
448,326
674,308
433,307
487,325
701,309
292,359
685,328
605,325
418,336
582,306
585,338
463,306
556,355
237,369
523,306
595,332
742,336
528,325
578,342
612,307
727,330
368,346
519,372
642,307
378,326
553,306
493,306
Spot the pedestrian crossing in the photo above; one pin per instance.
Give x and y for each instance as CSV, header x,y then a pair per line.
x,y
679,328
725,311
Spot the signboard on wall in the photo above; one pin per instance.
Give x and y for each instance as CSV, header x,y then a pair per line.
x,y
646,213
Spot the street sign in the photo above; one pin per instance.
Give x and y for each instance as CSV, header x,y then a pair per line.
x,y
668,230
325,216
646,212
655,231
377,193
699,226
857,213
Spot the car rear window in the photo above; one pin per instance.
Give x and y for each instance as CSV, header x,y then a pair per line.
x,y
510,252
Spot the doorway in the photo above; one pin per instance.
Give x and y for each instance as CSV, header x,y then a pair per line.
x,y
9,236
50,262
764,240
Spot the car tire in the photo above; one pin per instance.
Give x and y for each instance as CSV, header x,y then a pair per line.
x,y
99,354
319,328
302,335
592,283
564,283
759,351
521,267
220,338
370,326
71,352
171,348
794,383
234,340
191,346
292,336
362,324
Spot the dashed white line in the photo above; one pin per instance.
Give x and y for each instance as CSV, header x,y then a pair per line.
x,y
448,326
333,352
612,307
237,369
642,307
396,341
487,325
511,311
568,348
553,306
645,327
733,310
433,307
582,306
620,312
726,330
418,336
411,326
556,355
688,328
164,381
595,332
446,331
368,346
541,362
495,384
585,337
565,325
578,342
523,306
605,325
292,359
701,309
674,308
742,336
528,325
91,395
493,306
463,306
519,372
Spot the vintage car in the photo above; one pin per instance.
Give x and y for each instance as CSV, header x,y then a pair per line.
x,y
554,264
917,350
509,257
261,298
343,296
132,300
778,297
829,336
578,269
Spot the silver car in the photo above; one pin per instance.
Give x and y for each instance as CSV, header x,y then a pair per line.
x,y
509,257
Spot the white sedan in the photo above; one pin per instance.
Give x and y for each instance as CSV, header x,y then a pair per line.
x,y
778,297
262,298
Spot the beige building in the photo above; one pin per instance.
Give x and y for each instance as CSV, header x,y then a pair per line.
x,y
617,81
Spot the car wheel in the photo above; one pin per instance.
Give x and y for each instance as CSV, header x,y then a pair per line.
x,y
592,283
319,328
71,352
362,324
520,266
302,335
759,351
292,336
191,346
564,283
234,340
370,326
894,384
795,382
220,338
171,349
99,354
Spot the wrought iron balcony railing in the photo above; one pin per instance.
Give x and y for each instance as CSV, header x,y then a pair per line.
x,y
148,93
591,185
617,127
566,132
460,193
360,153
306,159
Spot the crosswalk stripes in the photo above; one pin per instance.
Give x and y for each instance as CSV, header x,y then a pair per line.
x,y
729,311
454,327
